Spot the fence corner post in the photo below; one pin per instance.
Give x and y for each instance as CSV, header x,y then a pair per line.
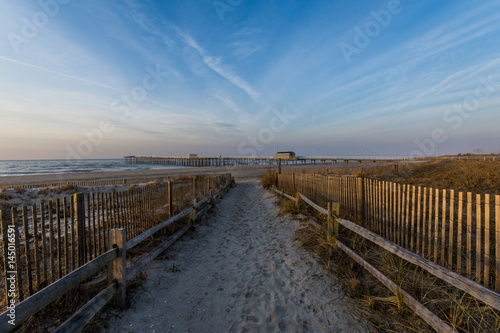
x,y
117,269
329,223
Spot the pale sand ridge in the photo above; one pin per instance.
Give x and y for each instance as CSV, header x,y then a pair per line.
x,y
243,272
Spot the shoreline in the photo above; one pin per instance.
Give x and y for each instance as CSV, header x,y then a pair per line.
x,y
238,172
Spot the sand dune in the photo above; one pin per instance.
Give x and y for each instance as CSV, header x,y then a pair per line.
x,y
241,272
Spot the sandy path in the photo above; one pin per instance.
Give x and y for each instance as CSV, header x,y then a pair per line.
x,y
243,272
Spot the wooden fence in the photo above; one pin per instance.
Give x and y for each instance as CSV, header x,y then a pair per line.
x,y
46,241
457,230
85,183
116,261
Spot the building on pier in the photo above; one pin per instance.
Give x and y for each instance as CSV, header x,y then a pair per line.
x,y
285,154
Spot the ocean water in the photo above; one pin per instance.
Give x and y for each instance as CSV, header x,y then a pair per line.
x,y
37,167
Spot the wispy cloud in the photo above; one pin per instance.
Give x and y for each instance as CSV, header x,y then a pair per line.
x,y
461,29
230,104
215,63
455,80
244,49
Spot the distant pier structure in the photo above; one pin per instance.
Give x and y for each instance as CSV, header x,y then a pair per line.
x,y
130,159
282,158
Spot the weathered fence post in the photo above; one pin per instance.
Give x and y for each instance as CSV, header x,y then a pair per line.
x,y
361,200
170,208
279,166
194,186
17,244
27,250
117,269
80,226
208,185
329,223
192,215
333,222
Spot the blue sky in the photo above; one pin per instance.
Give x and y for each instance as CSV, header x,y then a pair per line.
x,y
98,79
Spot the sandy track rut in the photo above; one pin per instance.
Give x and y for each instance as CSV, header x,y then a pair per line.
x,y
243,272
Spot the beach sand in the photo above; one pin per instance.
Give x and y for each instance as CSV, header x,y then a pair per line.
x,y
241,270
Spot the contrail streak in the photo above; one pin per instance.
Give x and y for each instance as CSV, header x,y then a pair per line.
x,y
60,74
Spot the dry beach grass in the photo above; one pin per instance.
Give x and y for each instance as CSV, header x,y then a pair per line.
x,y
460,175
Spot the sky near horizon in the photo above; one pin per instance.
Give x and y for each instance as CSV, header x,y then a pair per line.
x,y
104,79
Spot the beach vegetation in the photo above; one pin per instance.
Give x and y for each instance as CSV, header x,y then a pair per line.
x,y
19,189
67,188
175,268
5,200
467,176
268,179
44,191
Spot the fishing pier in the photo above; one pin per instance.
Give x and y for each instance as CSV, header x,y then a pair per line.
x,y
258,160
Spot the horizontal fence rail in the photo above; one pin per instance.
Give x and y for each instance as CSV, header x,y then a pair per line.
x,y
44,242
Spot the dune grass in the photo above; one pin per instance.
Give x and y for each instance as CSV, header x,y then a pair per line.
x,y
472,176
